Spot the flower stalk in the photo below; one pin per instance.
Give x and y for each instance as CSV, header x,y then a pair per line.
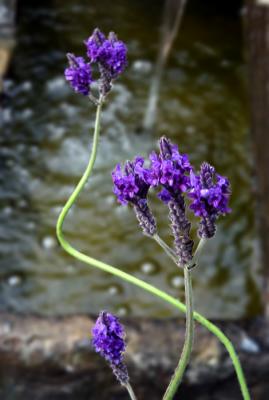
x,y
131,279
77,79
170,252
82,181
189,332
128,277
187,348
130,391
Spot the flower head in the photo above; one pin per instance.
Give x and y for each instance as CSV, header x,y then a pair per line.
x,y
209,194
108,340
94,44
130,184
170,169
78,74
110,55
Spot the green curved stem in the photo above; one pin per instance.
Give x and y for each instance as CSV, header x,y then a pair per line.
x,y
131,279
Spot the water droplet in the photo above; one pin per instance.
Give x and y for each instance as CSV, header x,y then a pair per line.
x,y
143,66
14,280
112,290
22,203
249,345
148,268
121,210
225,63
55,132
10,163
7,211
56,210
21,147
5,328
26,86
70,269
6,115
56,86
190,129
69,110
30,226
25,114
110,200
48,242
24,173
177,281
122,311
69,368
34,150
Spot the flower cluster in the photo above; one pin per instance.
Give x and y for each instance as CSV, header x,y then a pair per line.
x,y
172,171
209,194
79,74
111,53
110,56
108,340
131,186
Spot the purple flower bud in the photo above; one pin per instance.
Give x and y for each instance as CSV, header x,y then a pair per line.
x,y
108,340
145,218
130,186
78,74
209,196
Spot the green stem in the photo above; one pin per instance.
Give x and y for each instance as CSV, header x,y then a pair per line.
x,y
131,279
130,391
165,247
188,342
82,181
198,250
187,348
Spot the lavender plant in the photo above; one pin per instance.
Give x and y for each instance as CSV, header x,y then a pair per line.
x,y
207,191
209,194
108,340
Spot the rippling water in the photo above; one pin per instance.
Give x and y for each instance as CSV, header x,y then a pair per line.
x,y
45,145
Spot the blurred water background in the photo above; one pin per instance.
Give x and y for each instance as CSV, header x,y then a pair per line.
x,y
45,143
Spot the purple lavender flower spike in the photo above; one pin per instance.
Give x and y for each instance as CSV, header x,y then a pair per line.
x,y
94,43
110,54
181,230
131,186
210,195
108,340
79,74
171,170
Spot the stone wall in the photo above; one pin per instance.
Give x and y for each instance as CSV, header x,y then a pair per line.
x,y
51,358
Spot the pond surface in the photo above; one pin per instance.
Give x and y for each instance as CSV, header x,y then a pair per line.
x,y
45,145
